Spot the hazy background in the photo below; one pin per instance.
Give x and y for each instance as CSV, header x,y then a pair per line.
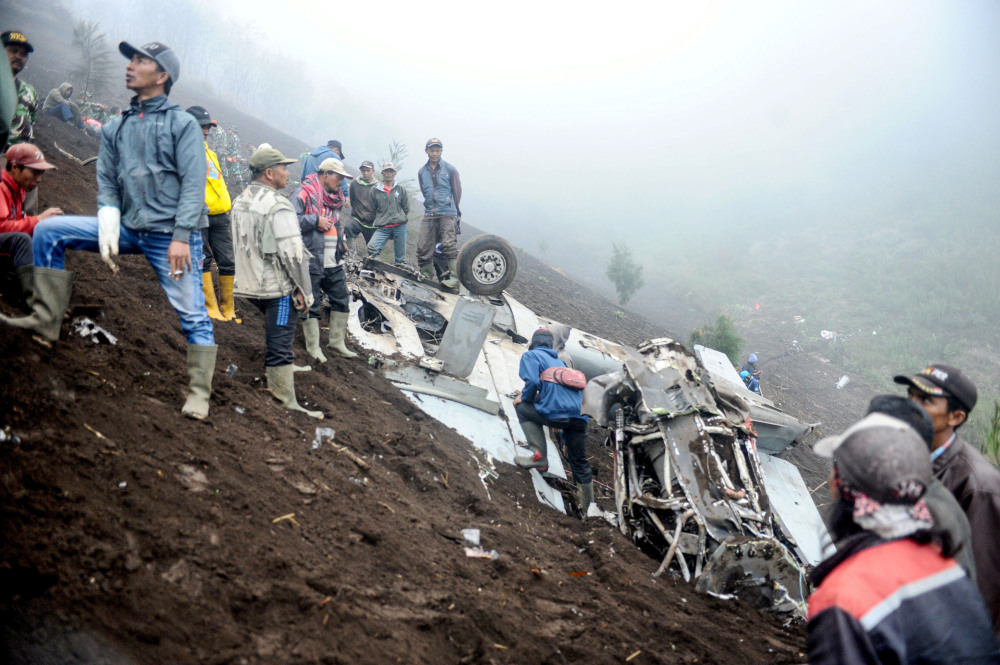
x,y
834,160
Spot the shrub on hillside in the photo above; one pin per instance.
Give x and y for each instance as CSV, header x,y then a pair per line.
x,y
720,336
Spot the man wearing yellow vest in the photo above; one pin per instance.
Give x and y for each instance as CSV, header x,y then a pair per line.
x,y
218,237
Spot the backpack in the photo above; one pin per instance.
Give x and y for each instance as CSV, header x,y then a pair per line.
x,y
573,379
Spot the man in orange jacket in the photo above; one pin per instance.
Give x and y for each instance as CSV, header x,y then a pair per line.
x,y
218,237
24,170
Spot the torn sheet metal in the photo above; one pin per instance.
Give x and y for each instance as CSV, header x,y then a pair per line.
x,y
792,503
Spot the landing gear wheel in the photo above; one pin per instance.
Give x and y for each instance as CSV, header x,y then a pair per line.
x,y
487,265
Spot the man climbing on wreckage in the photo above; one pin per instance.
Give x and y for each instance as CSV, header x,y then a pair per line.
x,y
148,202
544,402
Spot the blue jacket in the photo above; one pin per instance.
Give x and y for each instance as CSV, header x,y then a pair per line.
x,y
552,401
152,167
753,385
315,158
439,196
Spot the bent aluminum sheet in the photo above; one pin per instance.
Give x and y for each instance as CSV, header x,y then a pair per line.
x,y
791,502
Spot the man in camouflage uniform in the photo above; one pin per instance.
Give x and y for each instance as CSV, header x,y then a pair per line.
x,y
17,47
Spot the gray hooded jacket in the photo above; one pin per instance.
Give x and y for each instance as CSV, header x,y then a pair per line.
x,y
152,167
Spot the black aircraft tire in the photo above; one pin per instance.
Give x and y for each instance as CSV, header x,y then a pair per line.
x,y
487,265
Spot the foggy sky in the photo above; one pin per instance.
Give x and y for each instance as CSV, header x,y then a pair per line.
x,y
638,119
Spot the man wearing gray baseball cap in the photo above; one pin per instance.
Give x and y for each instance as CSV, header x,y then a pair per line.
x,y
148,202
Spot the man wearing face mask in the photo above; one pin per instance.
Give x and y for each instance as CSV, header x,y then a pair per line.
x,y
148,202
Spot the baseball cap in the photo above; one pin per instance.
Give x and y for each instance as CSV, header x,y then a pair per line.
x,y
335,165
334,143
16,37
162,54
431,142
941,381
388,166
201,115
265,158
367,165
826,446
887,462
26,154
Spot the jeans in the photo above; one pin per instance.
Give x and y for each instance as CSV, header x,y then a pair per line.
x,y
354,228
55,235
382,235
574,434
279,327
217,241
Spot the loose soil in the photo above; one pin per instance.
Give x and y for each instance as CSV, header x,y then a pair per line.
x,y
133,535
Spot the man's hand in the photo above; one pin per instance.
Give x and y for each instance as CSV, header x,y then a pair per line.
x,y
324,224
179,254
51,212
300,300
517,400
109,229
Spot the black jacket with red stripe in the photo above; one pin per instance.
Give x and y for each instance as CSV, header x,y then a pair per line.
x,y
897,602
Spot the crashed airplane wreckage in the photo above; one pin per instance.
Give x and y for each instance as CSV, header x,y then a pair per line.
x,y
696,483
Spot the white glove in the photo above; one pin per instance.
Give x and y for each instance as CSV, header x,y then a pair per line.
x,y
109,228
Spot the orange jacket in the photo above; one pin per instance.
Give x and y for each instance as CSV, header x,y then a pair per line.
x,y
12,217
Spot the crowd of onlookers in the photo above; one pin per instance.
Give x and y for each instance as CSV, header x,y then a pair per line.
x,y
916,522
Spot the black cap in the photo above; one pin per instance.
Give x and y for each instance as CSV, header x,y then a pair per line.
x,y
201,114
334,143
16,37
942,381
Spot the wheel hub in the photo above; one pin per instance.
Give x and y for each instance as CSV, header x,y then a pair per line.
x,y
489,267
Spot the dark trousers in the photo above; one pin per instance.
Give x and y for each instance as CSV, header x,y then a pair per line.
x,y
218,243
434,230
574,435
333,283
15,250
279,324
354,228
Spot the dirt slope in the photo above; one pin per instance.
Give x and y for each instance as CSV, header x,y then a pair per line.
x,y
134,535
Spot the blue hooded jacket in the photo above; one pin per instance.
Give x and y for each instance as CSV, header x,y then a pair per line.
x,y
552,401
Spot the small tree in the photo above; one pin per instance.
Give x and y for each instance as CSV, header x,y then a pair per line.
x,y
397,155
624,272
96,68
720,336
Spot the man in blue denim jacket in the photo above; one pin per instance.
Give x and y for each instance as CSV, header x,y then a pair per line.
x,y
151,180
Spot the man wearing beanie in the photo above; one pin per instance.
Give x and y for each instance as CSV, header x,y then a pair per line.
x,y
948,395
892,593
547,403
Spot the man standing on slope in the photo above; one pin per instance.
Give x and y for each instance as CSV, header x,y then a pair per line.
x,y
217,239
149,202
392,208
948,396
272,266
362,214
317,203
442,191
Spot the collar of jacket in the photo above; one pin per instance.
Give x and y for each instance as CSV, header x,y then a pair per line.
x,y
151,105
948,455
15,190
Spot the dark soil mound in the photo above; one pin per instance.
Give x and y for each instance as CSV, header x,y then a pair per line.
x,y
134,535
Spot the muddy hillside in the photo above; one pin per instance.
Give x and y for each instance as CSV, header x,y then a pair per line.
x,y
134,535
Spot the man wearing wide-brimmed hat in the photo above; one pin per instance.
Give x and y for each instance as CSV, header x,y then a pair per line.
x,y
148,202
